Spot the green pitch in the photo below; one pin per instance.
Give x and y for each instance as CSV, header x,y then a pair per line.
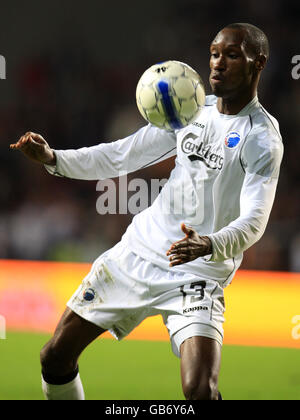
x,y
140,370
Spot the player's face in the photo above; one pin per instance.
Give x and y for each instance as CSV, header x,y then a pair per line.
x,y
230,64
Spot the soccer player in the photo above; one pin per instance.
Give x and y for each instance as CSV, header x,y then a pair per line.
x,y
167,263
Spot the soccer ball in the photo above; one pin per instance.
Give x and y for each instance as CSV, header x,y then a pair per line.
x,y
170,95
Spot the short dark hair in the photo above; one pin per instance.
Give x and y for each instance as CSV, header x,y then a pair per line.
x,y
256,39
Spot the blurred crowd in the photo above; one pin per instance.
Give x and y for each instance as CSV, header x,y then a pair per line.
x,y
74,100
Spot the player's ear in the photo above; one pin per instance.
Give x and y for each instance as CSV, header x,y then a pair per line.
x,y
260,62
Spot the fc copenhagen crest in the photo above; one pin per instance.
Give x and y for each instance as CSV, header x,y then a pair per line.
x,y
89,295
232,139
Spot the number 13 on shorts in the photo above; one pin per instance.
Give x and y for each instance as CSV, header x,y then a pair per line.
x,y
202,304
193,293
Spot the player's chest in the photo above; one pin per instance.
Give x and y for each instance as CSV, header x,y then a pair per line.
x,y
211,143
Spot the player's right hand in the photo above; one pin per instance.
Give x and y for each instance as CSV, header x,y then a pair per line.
x,y
35,147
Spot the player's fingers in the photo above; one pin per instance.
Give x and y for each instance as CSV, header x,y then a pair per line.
x,y
28,137
36,137
175,247
39,139
34,143
31,134
178,261
177,256
180,253
183,257
179,245
17,145
175,262
188,231
181,250
22,142
25,137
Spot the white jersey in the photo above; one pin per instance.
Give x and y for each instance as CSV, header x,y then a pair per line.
x,y
223,184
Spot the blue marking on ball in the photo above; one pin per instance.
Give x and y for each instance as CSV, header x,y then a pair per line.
x,y
163,87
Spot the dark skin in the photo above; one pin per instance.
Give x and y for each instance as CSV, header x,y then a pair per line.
x,y
235,71
234,78
235,74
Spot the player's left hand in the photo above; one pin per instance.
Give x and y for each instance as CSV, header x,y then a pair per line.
x,y
189,248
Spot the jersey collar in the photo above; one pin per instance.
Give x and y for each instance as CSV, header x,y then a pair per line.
x,y
247,110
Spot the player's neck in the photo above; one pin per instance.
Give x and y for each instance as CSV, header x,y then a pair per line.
x,y
233,105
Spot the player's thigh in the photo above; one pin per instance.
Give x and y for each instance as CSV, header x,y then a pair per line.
x,y
72,335
200,367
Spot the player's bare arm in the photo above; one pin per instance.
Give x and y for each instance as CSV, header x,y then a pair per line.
x,y
35,147
189,248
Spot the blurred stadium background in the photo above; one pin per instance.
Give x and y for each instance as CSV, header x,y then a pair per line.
x,y
72,71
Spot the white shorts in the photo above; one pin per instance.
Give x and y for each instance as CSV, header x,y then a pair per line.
x,y
122,289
